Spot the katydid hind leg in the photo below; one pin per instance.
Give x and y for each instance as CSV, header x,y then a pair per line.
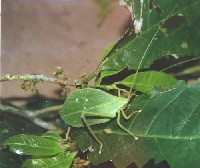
x,y
92,133
67,135
122,127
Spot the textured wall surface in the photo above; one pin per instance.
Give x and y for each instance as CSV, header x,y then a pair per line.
x,y
40,35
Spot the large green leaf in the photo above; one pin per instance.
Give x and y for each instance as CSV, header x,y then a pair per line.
x,y
32,145
155,40
94,102
52,136
62,160
168,128
145,81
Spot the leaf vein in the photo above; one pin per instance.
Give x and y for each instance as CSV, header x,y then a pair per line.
x,y
160,111
192,112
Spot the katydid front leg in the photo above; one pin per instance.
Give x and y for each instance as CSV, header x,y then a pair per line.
x,y
127,117
92,133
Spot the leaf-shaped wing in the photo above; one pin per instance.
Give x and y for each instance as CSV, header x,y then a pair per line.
x,y
94,102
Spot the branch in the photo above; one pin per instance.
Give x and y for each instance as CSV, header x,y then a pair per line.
x,y
47,110
29,115
31,77
31,80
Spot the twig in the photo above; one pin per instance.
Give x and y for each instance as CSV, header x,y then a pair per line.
x,y
28,77
47,110
188,71
29,115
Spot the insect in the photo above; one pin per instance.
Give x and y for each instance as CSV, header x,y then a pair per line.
x,y
87,107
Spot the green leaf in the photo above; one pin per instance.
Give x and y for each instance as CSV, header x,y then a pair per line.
x,y
104,74
145,81
106,52
62,160
95,102
52,136
156,39
168,128
32,145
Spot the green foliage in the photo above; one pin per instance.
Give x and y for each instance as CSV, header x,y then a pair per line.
x,y
145,81
48,150
52,136
62,160
106,52
161,34
147,113
32,145
167,129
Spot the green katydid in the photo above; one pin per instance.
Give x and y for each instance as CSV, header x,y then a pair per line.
x,y
86,107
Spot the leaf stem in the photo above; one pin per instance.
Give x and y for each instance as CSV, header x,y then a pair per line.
x,y
180,63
